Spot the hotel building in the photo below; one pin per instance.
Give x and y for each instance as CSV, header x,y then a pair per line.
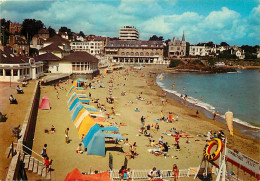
x,y
128,33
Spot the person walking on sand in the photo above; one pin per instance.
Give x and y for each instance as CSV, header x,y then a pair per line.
x,y
197,113
214,116
175,171
67,135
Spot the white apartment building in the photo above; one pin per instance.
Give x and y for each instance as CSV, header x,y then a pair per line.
x,y
128,33
94,46
196,50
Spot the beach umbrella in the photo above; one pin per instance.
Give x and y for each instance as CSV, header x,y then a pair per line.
x,y
229,121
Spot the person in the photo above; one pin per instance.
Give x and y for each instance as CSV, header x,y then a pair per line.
x,y
122,171
177,141
197,113
89,95
156,126
67,135
52,129
133,150
209,136
79,149
214,116
165,147
177,118
57,93
127,175
12,100
19,90
152,173
82,137
175,171
146,133
47,163
44,151
142,120
161,140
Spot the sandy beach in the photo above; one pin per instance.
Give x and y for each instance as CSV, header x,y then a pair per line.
x,y
135,83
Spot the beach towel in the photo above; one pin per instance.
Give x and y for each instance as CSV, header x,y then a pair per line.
x,y
157,120
137,111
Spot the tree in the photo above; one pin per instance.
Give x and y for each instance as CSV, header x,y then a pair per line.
x,y
166,48
30,27
51,31
5,31
210,44
224,44
156,38
81,34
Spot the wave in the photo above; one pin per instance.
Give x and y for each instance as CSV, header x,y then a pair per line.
x,y
199,103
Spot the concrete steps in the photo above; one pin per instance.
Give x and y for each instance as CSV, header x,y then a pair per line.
x,y
36,166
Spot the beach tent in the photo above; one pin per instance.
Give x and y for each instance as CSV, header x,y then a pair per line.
x,y
92,131
76,112
96,145
45,104
90,134
76,175
77,101
85,125
80,117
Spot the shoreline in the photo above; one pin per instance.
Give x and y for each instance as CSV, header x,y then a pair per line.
x,y
249,130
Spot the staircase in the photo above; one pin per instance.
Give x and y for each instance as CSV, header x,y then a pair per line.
x,y
31,163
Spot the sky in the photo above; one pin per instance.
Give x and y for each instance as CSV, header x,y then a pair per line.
x,y
236,22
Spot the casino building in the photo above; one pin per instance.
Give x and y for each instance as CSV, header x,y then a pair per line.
x,y
135,51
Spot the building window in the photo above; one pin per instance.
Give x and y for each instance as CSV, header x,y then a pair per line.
x,y
15,72
141,54
78,66
8,72
127,53
73,66
151,54
136,54
147,54
132,53
1,72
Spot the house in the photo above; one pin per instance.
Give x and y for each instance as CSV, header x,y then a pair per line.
x,y
240,54
76,62
198,50
16,68
93,45
57,46
15,28
38,39
46,58
177,47
19,45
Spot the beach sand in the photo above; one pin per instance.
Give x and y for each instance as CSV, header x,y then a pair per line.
x,y
64,155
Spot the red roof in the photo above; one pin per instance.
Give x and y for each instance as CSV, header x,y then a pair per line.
x,y
46,57
54,47
80,56
56,38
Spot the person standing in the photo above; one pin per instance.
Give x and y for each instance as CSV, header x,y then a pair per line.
x,y
175,171
197,113
214,116
67,135
142,120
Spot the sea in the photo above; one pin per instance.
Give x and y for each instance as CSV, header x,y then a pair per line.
x,y
237,92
